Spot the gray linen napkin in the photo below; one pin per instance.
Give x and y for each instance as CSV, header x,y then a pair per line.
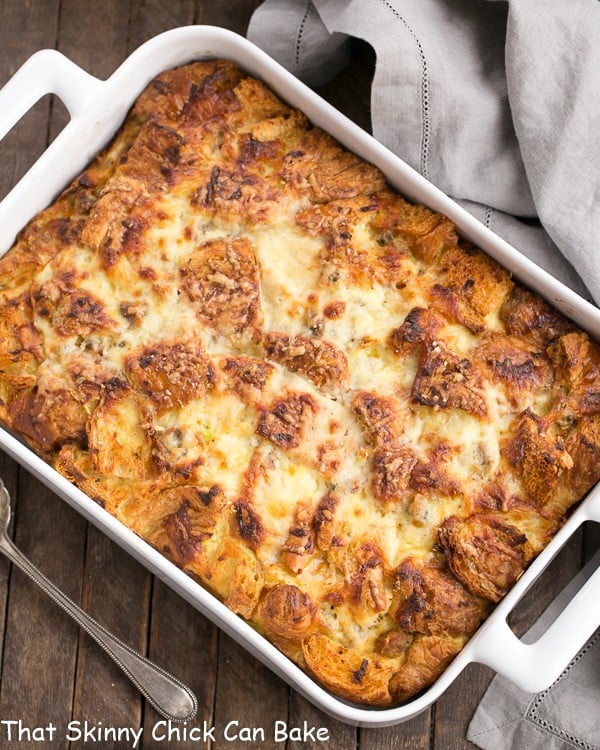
x,y
498,104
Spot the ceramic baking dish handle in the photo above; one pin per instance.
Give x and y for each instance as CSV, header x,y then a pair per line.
x,y
46,72
535,666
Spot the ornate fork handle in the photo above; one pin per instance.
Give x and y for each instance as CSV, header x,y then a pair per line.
x,y
170,697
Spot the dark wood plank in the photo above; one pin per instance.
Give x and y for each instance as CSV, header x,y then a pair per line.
x,y
107,23
455,708
152,17
247,693
300,711
234,14
186,644
41,641
413,734
9,472
591,539
116,593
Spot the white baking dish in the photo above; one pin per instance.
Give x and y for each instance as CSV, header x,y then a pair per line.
x,y
97,108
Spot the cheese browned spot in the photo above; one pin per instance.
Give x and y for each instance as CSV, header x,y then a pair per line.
x,y
485,553
318,359
247,376
221,279
445,380
79,313
426,659
431,601
539,458
283,423
286,611
171,374
472,286
526,314
248,523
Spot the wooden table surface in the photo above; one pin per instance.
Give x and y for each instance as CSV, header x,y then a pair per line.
x,y
51,672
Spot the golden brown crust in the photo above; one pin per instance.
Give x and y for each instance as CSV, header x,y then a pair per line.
x,y
538,458
577,369
326,172
583,448
426,659
472,286
191,523
446,381
526,314
515,365
248,376
286,612
284,422
419,327
48,418
319,360
171,374
348,673
119,442
352,427
485,553
432,601
221,279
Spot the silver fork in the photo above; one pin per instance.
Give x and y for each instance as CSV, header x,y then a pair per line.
x,y
170,697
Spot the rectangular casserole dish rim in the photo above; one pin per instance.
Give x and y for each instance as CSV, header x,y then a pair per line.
x,y
97,108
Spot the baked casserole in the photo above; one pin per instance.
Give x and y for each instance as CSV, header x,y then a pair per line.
x,y
350,425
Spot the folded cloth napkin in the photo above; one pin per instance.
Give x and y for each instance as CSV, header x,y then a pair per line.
x,y
497,103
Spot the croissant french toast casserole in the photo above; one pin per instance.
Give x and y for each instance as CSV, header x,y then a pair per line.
x,y
348,424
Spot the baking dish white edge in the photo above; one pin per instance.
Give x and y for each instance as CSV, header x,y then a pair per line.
x,y
97,108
